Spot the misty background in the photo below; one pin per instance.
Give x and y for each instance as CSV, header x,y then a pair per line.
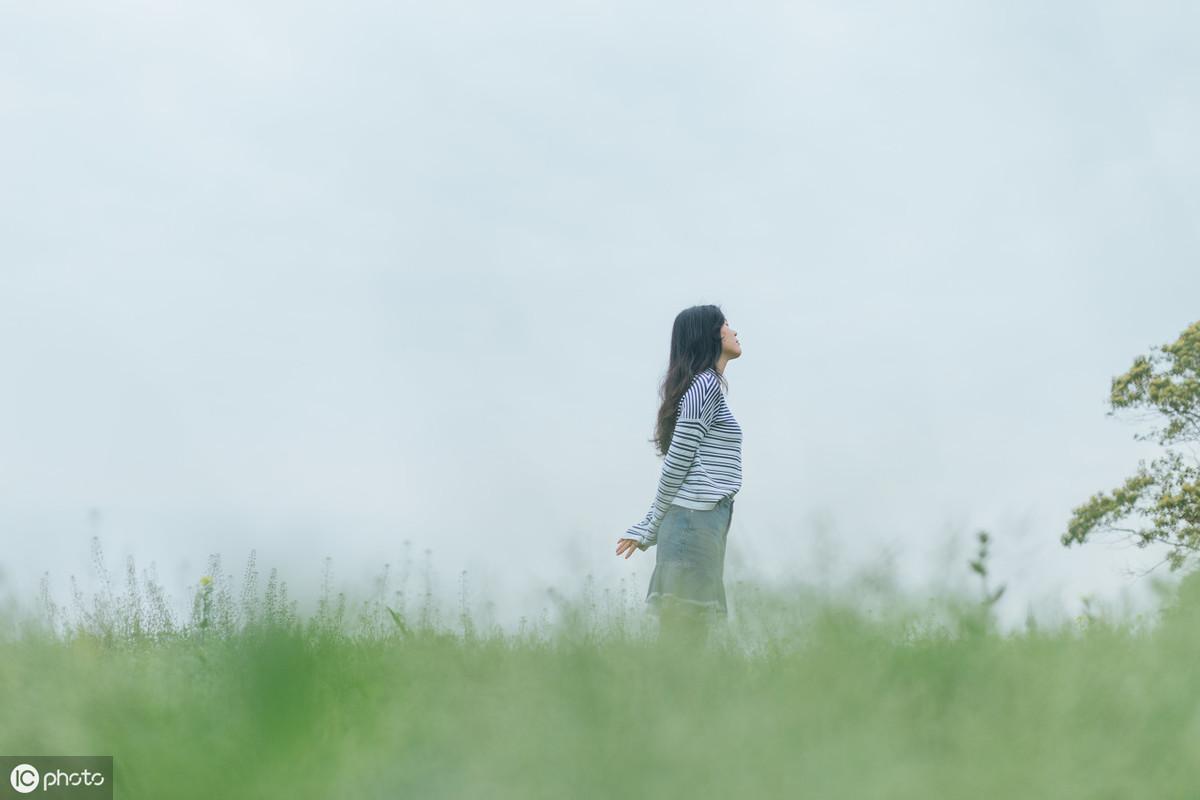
x,y
320,280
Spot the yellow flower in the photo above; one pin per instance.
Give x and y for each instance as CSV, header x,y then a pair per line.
x,y
205,581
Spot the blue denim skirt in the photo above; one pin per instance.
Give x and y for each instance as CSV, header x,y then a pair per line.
x,y
689,567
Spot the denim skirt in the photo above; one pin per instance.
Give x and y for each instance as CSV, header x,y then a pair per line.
x,y
689,567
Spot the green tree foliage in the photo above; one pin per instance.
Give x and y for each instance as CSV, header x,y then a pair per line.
x,y
1161,502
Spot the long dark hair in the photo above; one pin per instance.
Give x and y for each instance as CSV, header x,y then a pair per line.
x,y
695,346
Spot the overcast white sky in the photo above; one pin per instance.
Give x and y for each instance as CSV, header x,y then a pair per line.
x,y
316,279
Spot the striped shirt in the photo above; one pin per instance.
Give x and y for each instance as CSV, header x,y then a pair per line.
x,y
704,461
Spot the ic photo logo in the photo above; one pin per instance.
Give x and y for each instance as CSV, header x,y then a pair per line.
x,y
24,778
52,777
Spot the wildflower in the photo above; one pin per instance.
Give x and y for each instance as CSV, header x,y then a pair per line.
x,y
205,581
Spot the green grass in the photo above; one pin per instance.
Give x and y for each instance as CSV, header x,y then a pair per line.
x,y
802,696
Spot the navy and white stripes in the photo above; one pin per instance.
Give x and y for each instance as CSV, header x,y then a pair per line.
x,y
703,463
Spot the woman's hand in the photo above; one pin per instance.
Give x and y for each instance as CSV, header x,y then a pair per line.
x,y
629,545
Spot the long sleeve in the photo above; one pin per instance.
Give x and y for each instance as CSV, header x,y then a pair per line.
x,y
697,409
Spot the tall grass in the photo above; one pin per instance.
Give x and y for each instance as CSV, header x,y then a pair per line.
x,y
801,694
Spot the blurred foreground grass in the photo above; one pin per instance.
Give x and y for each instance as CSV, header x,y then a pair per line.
x,y
798,696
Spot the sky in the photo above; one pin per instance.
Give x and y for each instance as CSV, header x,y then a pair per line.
x,y
376,280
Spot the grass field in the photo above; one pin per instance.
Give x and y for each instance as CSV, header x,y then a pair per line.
x,y
799,697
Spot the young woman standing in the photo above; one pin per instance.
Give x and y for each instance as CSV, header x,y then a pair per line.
x,y
701,444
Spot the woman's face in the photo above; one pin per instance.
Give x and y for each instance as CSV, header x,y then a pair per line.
x,y
730,346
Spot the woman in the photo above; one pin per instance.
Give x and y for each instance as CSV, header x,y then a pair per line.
x,y
702,471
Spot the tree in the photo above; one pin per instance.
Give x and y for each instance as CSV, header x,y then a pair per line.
x,y
1161,502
